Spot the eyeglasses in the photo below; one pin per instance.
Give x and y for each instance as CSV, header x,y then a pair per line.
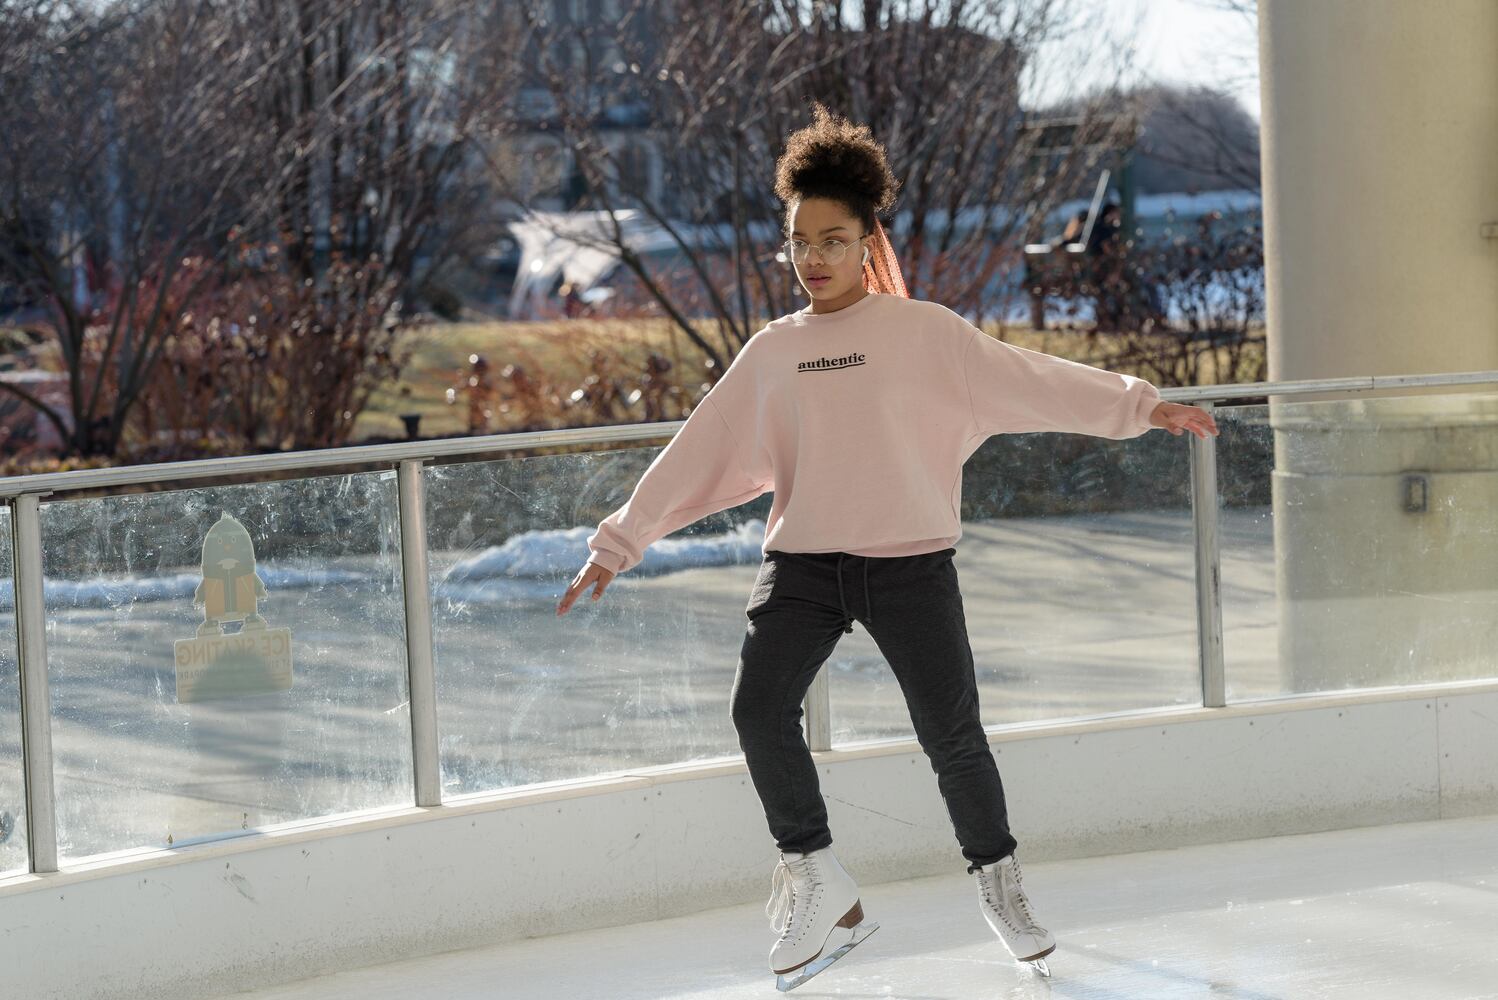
x,y
831,251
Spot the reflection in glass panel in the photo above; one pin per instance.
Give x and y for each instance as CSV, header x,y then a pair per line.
x,y
167,615
1364,547
1077,571
13,849
640,677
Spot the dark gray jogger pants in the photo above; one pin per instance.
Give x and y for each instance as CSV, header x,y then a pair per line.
x,y
802,603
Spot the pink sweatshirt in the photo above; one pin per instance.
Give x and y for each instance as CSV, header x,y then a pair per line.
x,y
860,421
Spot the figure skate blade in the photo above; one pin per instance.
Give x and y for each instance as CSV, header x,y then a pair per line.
x,y
787,981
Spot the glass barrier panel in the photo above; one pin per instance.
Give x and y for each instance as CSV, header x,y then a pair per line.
x,y
225,658
1359,544
1245,543
1077,571
640,677
14,852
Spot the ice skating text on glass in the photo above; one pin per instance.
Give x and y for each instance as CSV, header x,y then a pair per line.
x,y
252,660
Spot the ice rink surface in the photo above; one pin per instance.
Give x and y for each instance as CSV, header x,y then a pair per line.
x,y
1401,912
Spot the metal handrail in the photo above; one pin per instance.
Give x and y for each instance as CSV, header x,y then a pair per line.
x,y
23,493
396,452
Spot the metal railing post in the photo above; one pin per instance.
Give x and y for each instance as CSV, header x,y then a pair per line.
x,y
818,707
421,675
1208,567
36,698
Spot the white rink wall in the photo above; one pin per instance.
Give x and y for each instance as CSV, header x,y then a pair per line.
x,y
316,898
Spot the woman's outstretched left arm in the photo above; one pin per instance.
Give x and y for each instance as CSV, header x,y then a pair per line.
x,y
1014,390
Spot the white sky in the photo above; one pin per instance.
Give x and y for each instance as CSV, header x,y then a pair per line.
x,y
1184,41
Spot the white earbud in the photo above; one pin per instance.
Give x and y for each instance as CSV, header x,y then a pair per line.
x,y
865,255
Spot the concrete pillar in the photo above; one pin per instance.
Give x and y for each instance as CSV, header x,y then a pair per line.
x,y
1380,167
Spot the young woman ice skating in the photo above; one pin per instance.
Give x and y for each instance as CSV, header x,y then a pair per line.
x,y
858,412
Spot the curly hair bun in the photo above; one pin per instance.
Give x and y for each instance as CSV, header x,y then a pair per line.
x,y
833,158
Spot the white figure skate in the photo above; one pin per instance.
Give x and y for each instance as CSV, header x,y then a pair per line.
x,y
815,908
1007,910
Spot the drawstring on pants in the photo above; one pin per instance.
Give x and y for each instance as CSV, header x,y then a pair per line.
x,y
868,605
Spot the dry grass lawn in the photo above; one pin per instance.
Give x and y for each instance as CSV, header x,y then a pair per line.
x,y
563,349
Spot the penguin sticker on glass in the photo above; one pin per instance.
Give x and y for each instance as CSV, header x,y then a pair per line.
x,y
253,659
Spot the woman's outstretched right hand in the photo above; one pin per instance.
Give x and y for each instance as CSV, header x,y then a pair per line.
x,y
588,574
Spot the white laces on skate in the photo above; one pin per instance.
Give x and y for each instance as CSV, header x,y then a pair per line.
x,y
1005,895
787,907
